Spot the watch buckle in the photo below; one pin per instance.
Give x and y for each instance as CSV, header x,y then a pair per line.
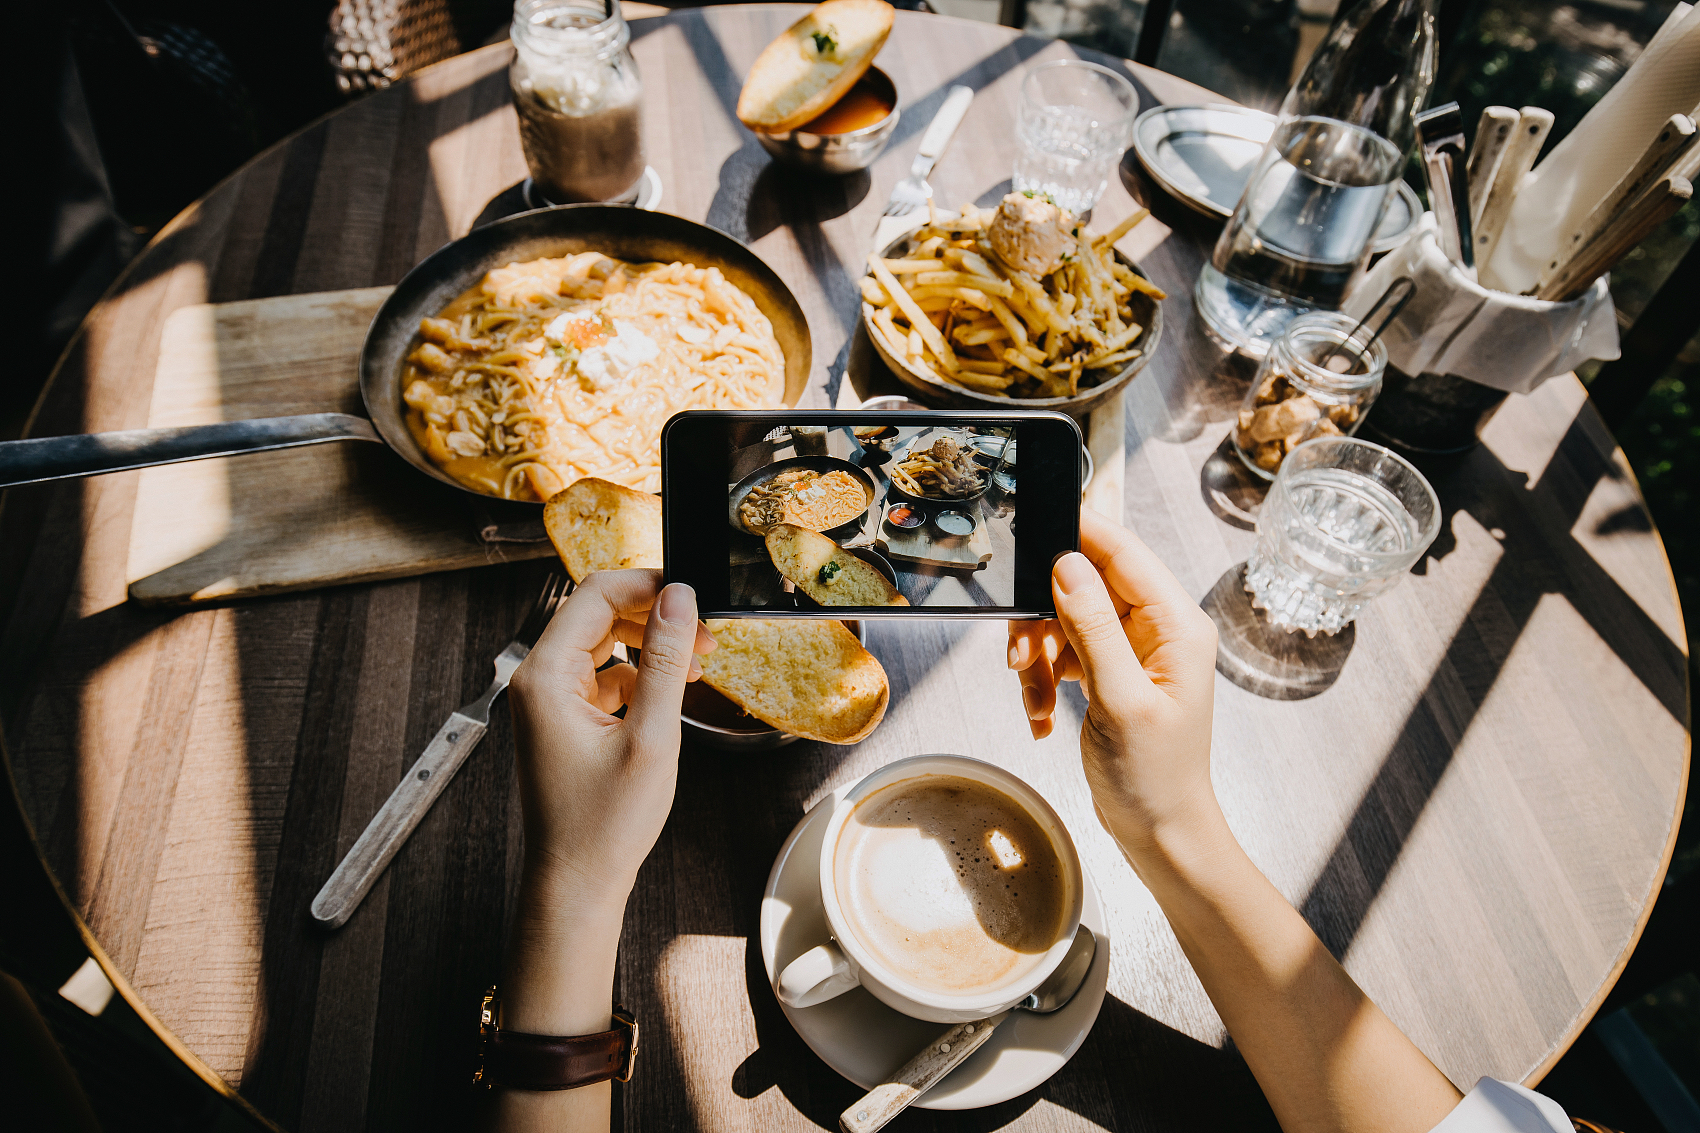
x,y
626,1019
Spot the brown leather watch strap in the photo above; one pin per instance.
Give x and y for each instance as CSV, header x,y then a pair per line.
x,y
550,1062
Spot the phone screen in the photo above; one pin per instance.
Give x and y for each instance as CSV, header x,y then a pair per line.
x,y
827,514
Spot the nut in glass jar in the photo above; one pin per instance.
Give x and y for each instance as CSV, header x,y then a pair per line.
x,y
1317,380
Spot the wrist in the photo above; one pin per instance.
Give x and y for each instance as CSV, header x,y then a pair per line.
x,y
1182,834
559,978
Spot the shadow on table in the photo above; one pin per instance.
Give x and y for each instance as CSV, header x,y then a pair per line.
x,y
1132,1072
1540,557
1264,659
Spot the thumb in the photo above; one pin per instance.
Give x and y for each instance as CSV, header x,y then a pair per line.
x,y
663,670
1089,620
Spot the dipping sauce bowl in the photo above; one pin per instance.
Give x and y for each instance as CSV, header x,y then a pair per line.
x,y
841,150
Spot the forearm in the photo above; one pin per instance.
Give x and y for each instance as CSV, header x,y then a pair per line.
x,y
1326,1056
559,980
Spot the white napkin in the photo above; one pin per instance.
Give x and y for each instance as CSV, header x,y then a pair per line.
x,y
1559,193
1453,325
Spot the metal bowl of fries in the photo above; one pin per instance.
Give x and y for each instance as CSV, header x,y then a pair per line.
x,y
1064,342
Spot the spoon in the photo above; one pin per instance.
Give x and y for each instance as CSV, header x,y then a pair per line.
x,y
944,1054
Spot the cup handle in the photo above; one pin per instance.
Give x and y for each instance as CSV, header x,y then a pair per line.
x,y
815,977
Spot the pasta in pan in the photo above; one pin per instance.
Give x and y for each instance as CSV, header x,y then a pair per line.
x,y
558,369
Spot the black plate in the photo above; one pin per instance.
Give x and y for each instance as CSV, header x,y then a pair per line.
x,y
624,233
821,464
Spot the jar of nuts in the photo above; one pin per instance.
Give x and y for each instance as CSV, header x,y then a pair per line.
x,y
1318,380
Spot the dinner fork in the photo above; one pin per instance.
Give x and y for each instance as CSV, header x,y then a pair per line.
x,y
913,192
425,780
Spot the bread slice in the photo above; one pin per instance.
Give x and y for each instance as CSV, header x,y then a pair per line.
x,y
804,556
596,526
810,678
813,64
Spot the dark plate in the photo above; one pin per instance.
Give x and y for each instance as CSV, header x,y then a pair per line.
x,y
766,472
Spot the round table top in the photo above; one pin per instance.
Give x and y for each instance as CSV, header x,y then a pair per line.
x,y
1471,796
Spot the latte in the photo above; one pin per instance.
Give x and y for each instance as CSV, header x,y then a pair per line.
x,y
951,884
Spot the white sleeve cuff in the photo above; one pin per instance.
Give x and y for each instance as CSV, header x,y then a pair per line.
x,y
1500,1107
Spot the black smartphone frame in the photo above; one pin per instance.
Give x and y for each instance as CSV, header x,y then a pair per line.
x,y
696,531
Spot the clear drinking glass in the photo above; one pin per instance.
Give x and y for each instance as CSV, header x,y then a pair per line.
x,y
1303,226
1076,120
1343,522
579,97
1317,380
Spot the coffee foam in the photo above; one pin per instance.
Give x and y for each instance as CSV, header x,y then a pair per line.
x,y
950,883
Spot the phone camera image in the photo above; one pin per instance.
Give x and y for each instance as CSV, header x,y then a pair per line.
x,y
873,514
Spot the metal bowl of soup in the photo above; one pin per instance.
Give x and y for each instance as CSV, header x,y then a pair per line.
x,y
848,135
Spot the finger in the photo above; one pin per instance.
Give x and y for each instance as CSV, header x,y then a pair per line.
x,y
589,613
1067,666
663,671
1133,571
1038,690
1026,641
614,686
1094,629
630,632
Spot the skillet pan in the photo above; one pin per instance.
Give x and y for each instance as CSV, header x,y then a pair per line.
x,y
821,464
621,232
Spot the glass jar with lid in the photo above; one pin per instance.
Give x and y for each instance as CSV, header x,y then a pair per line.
x,y
1318,380
580,100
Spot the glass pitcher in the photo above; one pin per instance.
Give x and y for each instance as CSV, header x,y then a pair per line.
x,y
1303,226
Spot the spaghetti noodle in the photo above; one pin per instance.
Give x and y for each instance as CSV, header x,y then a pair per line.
x,y
557,369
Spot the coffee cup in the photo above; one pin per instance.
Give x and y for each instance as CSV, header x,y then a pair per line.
x,y
951,888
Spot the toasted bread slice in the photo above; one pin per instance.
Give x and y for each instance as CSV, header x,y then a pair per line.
x,y
596,526
813,64
810,678
826,572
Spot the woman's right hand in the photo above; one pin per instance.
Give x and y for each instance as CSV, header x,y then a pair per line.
x,y
1145,654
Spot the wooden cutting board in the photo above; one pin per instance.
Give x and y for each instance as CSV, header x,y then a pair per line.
x,y
923,545
235,527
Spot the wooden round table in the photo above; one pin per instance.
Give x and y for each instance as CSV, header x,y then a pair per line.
x,y
1471,796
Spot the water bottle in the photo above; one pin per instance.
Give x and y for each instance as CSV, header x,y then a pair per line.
x,y
1302,228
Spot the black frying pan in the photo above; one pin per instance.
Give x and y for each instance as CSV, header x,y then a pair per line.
x,y
621,232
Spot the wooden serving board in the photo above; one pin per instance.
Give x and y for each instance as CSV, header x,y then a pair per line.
x,y
236,527
922,544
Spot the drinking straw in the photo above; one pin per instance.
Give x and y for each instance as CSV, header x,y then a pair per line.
x,y
1393,313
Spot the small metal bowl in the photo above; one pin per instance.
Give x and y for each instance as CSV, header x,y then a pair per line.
x,y
913,517
952,513
713,721
838,153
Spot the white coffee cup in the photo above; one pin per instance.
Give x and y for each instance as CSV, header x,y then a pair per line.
x,y
841,963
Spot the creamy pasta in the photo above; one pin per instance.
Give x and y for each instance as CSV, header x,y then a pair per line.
x,y
558,369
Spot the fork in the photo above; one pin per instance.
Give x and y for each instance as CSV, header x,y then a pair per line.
x,y
913,192
408,803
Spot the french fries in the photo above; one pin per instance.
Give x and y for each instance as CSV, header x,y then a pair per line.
x,y
958,312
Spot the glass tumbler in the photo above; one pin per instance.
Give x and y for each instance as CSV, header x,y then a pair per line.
x,y
1343,522
1076,120
1316,381
576,88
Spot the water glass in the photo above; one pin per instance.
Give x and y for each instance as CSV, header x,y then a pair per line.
x,y
1343,522
1076,120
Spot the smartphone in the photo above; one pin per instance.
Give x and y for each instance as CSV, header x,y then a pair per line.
x,y
833,514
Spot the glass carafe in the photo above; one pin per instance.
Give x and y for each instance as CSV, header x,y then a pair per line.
x,y
579,98
1303,226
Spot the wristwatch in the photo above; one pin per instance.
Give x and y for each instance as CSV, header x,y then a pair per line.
x,y
551,1062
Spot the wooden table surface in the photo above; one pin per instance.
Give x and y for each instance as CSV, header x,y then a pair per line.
x,y
1471,796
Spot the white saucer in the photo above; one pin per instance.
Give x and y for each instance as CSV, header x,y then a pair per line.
x,y
865,1040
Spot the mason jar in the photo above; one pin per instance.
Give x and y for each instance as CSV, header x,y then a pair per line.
x,y
579,98
1316,381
